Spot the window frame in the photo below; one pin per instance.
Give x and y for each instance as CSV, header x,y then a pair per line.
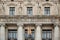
x,y
11,32
27,36
29,11
46,10
46,32
11,11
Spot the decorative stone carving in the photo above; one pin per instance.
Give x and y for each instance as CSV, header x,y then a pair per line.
x,y
1,9
47,3
29,20
20,10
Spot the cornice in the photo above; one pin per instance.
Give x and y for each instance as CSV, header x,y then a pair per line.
x,y
34,16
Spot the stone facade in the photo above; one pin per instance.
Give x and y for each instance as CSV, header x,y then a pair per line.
x,y
37,21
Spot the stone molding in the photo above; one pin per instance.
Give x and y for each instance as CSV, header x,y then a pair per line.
x,y
38,24
19,24
2,25
56,25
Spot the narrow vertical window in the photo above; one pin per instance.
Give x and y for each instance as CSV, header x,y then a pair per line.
x,y
47,10
33,34
29,10
12,11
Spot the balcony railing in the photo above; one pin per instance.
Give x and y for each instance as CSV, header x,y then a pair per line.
x,y
29,19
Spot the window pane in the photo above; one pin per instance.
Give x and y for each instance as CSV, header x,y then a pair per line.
x,y
33,33
12,34
12,11
47,10
29,10
46,35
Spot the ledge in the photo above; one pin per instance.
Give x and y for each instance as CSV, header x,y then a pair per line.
x,y
33,16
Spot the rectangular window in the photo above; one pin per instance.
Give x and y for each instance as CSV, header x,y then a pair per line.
x,y
29,34
12,11
12,34
29,10
46,35
47,10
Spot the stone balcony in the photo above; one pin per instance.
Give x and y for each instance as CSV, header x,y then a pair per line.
x,y
29,19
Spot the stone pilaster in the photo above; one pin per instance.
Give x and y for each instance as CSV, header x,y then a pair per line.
x,y
56,32
20,32
0,33
2,30
38,35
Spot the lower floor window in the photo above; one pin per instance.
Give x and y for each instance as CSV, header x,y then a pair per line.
x,y
29,34
12,34
47,35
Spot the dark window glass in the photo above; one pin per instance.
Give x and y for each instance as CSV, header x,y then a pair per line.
x,y
12,11
12,34
26,34
29,36
29,10
46,35
33,33
12,0
26,30
47,0
47,10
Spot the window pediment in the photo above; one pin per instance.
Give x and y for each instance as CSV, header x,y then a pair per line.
x,y
29,4
12,4
49,4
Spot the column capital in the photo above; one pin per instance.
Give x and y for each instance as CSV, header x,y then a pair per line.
x,y
56,25
19,24
38,24
2,24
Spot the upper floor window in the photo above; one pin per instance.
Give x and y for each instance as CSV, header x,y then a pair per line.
x,y
47,10
12,11
29,10
47,35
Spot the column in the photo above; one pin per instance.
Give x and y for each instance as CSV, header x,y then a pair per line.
x,y
2,30
38,33
56,32
0,33
20,32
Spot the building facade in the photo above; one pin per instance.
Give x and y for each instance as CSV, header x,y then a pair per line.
x,y
29,19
